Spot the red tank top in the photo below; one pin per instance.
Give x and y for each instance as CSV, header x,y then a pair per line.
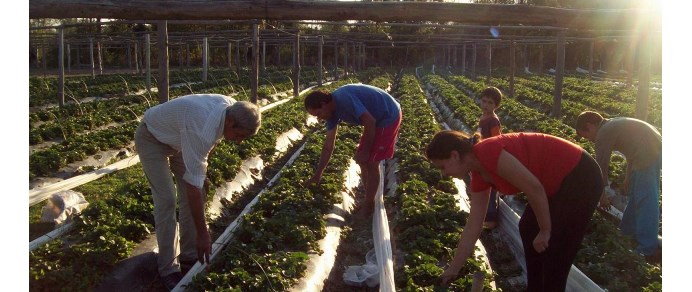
x,y
547,157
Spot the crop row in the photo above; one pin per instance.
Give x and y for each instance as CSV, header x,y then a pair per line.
x,y
428,222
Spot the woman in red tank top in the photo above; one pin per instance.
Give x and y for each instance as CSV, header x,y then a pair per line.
x,y
561,181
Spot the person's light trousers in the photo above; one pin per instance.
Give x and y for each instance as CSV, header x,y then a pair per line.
x,y
161,163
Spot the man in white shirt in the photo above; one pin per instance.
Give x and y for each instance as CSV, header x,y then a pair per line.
x,y
175,139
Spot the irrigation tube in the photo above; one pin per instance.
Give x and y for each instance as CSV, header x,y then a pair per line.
x,y
50,236
382,239
40,194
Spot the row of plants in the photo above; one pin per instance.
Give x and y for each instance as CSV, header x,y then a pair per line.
x,y
542,101
223,165
43,90
611,100
271,246
617,267
77,118
78,147
74,118
233,210
428,222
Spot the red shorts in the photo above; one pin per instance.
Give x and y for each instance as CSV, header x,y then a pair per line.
x,y
385,138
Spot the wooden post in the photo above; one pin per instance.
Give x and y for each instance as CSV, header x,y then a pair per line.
x,y
463,60
187,55
354,60
450,54
264,55
99,57
91,57
473,62
490,63
336,60
361,56
591,47
147,61
526,58
138,67
37,59
61,66
301,54
162,82
181,53
629,61
129,57
79,63
205,58
345,59
229,56
237,57
644,68
255,63
477,284
43,58
98,45
69,67
540,59
559,71
296,65
319,62
512,66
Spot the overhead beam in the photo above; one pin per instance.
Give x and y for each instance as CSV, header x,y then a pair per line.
x,y
481,14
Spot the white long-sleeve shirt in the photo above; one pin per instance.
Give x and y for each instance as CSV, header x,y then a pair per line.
x,y
191,124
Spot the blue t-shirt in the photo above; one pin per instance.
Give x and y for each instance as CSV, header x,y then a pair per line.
x,y
353,100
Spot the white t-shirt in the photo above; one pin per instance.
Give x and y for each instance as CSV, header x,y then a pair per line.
x,y
191,124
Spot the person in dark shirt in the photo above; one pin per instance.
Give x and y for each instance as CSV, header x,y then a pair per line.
x,y
640,143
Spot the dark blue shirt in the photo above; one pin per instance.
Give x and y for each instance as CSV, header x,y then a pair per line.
x,y
353,100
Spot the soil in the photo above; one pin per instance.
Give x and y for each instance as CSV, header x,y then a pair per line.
x,y
356,241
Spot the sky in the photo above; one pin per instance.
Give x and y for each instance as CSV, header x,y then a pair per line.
x,y
676,104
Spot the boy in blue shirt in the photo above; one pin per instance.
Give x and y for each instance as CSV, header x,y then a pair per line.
x,y
358,104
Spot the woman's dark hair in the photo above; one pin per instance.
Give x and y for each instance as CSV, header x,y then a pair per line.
x,y
444,142
316,98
